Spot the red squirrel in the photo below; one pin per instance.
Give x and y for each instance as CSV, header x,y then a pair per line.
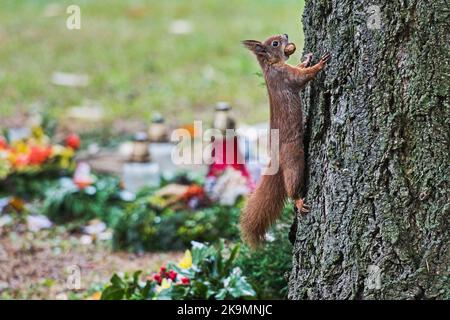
x,y
283,83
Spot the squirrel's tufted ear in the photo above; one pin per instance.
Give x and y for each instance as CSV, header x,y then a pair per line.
x,y
255,46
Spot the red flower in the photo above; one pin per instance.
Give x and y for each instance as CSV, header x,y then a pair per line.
x,y
185,281
73,141
172,275
162,270
38,155
3,143
157,278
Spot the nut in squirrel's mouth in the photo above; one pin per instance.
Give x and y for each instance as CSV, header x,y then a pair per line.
x,y
289,49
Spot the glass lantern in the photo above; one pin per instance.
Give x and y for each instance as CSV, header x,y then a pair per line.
x,y
140,151
222,120
157,131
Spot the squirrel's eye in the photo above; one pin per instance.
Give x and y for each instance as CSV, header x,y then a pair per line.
x,y
275,43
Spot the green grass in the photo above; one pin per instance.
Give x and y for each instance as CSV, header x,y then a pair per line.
x,y
136,66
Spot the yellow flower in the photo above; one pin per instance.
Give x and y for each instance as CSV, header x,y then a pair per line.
x,y
38,132
58,150
17,203
65,155
186,261
165,284
20,146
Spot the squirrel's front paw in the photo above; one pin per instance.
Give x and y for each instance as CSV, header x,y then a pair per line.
x,y
308,58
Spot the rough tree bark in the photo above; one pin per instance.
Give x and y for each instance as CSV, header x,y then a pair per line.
x,y
377,140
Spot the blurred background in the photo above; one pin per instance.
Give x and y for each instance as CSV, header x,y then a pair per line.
x,y
89,191
137,57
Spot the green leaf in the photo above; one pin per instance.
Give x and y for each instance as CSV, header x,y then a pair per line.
x,y
112,293
221,294
200,290
116,281
145,292
136,277
234,253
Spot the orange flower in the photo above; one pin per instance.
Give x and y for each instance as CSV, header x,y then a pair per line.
x,y
191,129
20,160
193,191
82,183
95,296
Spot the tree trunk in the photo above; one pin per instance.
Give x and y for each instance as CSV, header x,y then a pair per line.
x,y
377,140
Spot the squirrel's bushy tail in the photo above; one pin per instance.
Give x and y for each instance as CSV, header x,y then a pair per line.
x,y
262,208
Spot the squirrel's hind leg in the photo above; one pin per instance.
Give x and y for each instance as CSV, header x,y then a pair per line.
x,y
302,207
292,159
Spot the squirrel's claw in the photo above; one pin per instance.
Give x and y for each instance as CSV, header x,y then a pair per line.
x,y
326,57
301,206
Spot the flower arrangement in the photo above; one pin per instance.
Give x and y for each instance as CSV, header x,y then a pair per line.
x,y
35,154
205,272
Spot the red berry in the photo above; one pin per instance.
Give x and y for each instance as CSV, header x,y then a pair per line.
x,y
157,278
162,270
185,280
172,275
73,141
